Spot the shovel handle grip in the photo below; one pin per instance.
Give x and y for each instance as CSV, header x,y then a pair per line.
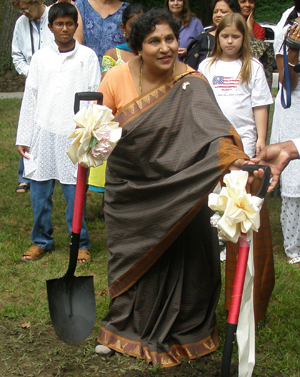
x,y
87,96
266,178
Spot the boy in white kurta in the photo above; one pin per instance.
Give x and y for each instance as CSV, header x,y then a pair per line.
x,y
56,73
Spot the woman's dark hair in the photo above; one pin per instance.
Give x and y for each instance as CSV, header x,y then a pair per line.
x,y
146,24
186,14
131,10
61,10
233,5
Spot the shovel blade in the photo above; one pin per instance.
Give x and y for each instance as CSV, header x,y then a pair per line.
x,y
72,307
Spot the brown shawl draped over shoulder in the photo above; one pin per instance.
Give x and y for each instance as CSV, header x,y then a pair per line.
x,y
175,146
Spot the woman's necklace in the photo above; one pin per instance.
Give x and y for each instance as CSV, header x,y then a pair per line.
x,y
141,75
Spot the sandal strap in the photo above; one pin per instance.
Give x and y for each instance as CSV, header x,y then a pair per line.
x,y
294,260
84,254
34,252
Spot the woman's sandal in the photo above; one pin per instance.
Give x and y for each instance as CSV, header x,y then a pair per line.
x,y
295,261
84,256
35,252
104,351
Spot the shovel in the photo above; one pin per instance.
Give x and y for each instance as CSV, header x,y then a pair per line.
x,y
239,278
71,298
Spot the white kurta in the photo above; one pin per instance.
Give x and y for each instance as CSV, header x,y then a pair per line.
x,y
48,108
288,128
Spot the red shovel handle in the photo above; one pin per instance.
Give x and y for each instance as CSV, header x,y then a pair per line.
x,y
79,199
239,278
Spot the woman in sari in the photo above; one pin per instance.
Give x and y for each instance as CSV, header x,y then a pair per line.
x,y
163,268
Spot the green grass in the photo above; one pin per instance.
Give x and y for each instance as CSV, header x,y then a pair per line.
x,y
34,350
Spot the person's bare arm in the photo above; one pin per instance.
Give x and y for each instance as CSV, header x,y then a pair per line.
x,y
79,32
261,122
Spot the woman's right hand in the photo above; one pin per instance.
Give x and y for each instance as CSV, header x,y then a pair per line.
x,y
250,23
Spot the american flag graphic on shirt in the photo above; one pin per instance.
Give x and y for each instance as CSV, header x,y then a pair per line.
x,y
225,83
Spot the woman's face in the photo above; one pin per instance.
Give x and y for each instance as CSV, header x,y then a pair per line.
x,y
176,7
220,10
247,7
159,50
30,10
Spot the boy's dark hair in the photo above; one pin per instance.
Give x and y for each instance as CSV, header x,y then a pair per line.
x,y
131,10
146,24
61,10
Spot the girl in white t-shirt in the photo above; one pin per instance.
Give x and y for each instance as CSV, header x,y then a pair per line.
x,y
242,92
239,82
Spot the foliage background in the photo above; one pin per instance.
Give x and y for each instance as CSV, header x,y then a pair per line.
x,y
265,10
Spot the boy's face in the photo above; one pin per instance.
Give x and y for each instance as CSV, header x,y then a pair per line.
x,y
64,29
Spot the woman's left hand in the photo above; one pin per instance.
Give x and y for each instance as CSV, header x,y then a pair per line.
x,y
236,165
182,52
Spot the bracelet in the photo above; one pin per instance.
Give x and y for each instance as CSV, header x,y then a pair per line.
x,y
291,65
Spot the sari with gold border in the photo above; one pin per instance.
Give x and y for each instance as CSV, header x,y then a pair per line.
x,y
163,266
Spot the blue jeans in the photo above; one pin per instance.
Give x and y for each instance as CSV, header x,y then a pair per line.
x,y
41,200
21,179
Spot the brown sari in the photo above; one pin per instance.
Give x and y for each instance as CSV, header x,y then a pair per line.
x,y
163,268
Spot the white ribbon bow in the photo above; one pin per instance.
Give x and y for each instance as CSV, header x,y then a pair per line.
x,y
241,214
95,137
240,210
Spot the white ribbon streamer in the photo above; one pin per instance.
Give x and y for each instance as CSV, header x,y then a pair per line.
x,y
95,136
240,214
245,334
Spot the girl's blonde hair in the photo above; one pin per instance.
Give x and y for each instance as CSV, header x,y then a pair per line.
x,y
186,14
237,20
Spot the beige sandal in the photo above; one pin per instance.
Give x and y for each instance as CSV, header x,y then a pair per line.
x,y
35,252
294,261
84,256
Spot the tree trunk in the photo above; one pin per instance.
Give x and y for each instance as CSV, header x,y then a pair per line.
x,y
8,17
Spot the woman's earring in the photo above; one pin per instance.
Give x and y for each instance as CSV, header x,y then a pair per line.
x,y
124,34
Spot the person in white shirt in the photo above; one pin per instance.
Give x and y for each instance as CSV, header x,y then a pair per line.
x,y
56,73
31,33
288,16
